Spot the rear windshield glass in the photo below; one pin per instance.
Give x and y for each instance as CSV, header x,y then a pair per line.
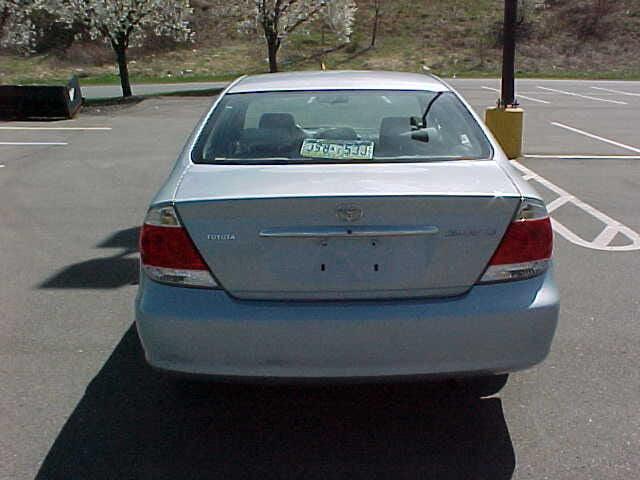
x,y
340,126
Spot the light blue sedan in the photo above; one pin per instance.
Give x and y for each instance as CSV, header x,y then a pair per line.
x,y
343,225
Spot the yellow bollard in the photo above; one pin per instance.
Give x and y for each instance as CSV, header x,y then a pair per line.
x,y
506,125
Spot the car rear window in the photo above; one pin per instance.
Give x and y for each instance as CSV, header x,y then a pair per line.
x,y
340,126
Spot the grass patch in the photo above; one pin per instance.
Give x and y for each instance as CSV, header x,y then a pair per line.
x,y
452,37
112,79
109,101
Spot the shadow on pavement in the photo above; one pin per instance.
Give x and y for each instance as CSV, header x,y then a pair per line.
x,y
132,423
114,271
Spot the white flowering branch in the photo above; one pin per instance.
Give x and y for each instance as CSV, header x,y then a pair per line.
x,y
277,19
124,23
16,29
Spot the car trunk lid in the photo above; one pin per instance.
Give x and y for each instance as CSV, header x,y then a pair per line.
x,y
327,232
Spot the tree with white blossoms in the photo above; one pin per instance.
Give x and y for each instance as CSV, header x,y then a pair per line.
x,y
124,23
16,29
276,19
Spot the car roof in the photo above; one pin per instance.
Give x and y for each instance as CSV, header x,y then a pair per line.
x,y
337,80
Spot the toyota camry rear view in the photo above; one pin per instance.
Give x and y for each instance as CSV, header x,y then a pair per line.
x,y
344,224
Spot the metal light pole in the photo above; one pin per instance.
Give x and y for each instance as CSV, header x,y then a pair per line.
x,y
506,120
509,53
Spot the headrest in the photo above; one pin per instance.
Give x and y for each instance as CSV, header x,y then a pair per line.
x,y
394,126
277,120
339,133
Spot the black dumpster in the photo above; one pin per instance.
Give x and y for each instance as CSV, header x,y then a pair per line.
x,y
33,102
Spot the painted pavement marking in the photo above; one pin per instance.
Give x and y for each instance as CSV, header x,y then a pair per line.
x,y
604,238
28,144
55,128
518,95
596,137
619,92
573,94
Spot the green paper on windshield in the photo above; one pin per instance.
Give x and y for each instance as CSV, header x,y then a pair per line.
x,y
337,149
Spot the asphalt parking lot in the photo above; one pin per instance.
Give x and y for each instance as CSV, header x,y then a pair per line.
x,y
78,402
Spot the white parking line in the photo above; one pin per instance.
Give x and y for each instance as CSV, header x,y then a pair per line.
x,y
518,95
573,94
596,137
619,92
604,238
55,128
24,144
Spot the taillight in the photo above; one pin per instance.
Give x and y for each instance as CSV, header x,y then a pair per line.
x,y
167,253
526,247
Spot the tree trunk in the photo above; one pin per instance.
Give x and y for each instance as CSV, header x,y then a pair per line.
x,y
4,15
376,21
272,46
123,69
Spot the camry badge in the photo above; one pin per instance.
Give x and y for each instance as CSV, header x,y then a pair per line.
x,y
349,213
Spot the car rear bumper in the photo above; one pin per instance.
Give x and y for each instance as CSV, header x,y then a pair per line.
x,y
492,329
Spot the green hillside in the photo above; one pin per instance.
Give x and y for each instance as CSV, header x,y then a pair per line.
x,y
583,38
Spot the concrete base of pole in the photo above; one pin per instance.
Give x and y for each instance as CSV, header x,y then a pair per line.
x,y
506,124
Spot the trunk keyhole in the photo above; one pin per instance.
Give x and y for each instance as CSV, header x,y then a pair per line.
x,y
376,267
323,267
